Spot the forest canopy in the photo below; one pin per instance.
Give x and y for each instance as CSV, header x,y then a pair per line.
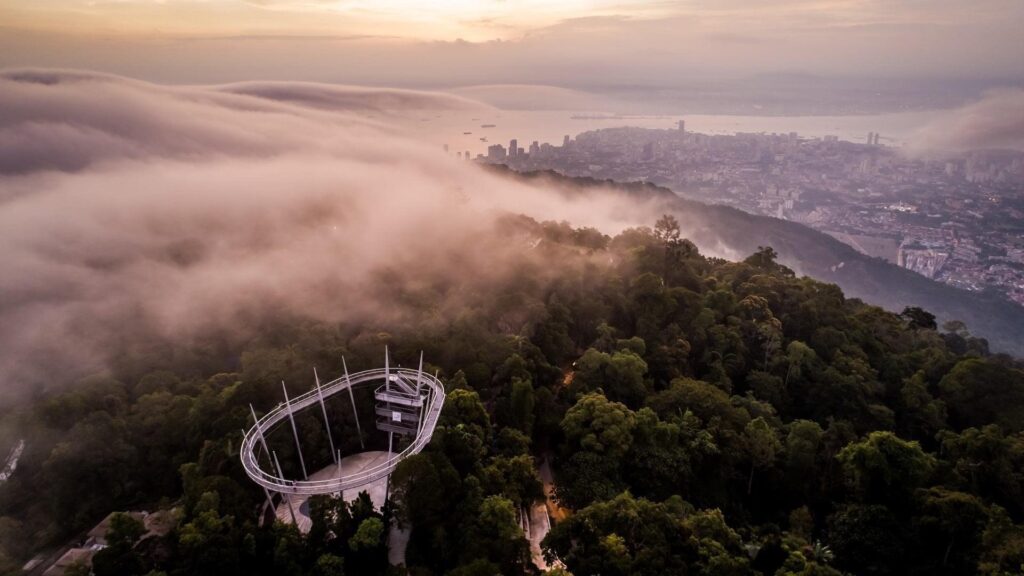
x,y
700,416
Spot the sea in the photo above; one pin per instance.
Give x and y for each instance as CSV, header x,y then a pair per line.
x,y
474,131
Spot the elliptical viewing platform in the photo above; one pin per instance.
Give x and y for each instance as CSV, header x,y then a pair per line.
x,y
407,402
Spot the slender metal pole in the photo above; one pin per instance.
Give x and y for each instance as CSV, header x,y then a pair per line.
x,y
355,412
387,374
338,460
323,407
419,375
423,414
286,497
387,479
295,431
387,392
259,430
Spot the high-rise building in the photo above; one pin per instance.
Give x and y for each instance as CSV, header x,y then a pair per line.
x,y
495,152
871,138
513,148
534,148
682,125
467,154
876,139
565,141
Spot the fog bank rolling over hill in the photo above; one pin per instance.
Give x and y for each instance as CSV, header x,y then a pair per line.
x,y
129,209
132,210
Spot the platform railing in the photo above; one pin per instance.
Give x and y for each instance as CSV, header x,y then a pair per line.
x,y
251,443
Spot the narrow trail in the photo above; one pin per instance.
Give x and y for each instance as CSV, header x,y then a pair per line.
x,y
537,523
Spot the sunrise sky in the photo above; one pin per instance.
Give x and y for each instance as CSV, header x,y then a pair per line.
x,y
564,42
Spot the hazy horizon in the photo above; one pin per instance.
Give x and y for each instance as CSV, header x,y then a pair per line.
x,y
675,55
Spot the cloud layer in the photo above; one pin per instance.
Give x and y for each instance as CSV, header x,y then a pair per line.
x,y
994,122
128,208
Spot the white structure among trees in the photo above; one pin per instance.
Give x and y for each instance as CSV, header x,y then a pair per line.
x,y
407,403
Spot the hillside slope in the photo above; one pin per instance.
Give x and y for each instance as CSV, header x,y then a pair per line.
x,y
822,257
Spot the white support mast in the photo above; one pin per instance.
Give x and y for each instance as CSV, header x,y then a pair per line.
x,y
419,375
286,497
387,371
295,430
387,390
323,407
259,430
351,397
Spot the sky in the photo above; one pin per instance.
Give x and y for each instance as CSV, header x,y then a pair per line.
x,y
589,44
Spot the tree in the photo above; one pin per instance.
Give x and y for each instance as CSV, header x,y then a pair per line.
x,y
762,446
619,375
868,540
209,542
666,229
463,408
955,519
1003,546
329,565
707,402
980,392
125,530
798,357
418,491
763,327
676,249
94,459
765,259
803,444
588,477
885,469
522,405
918,318
369,535
922,416
498,537
664,454
598,425
627,535
514,478
989,463
768,388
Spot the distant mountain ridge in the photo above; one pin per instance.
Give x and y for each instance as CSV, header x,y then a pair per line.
x,y
824,258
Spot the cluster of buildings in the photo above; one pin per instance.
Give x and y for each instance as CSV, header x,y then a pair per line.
x,y
156,525
957,219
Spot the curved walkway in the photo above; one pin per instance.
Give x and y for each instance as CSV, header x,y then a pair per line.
x,y
253,441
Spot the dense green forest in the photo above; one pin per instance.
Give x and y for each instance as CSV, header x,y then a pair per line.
x,y
700,416
816,254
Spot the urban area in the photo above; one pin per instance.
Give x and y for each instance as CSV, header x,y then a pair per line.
x,y
957,219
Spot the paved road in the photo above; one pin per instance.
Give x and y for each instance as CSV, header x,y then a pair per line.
x,y
11,463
